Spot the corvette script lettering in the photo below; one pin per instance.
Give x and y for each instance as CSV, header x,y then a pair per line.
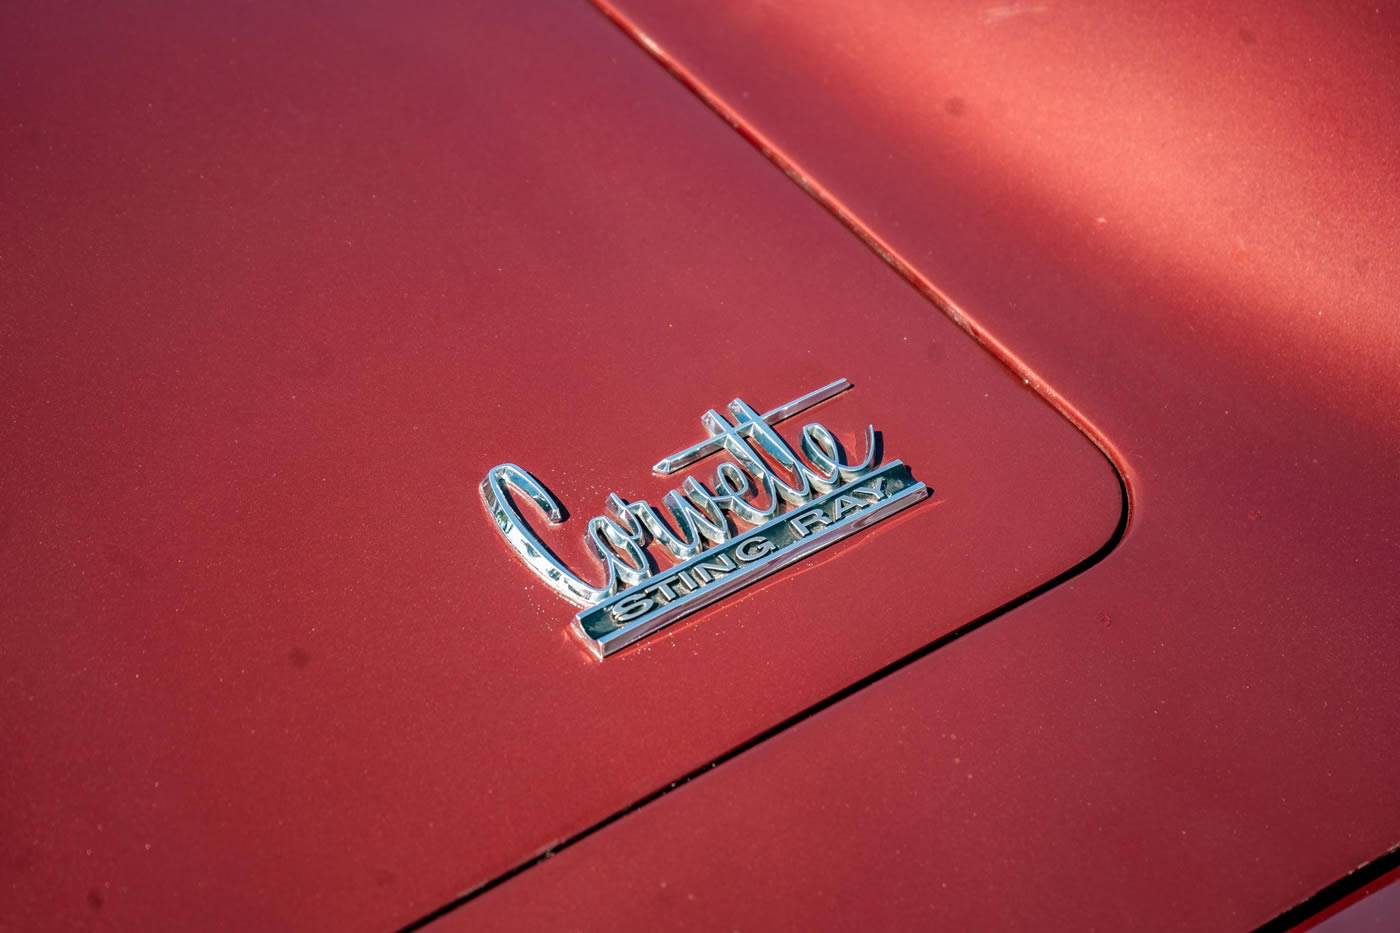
x,y
827,496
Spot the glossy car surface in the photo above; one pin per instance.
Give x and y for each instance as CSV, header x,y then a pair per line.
x,y
282,284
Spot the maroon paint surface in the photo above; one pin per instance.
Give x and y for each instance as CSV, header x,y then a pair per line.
x,y
1182,217
280,284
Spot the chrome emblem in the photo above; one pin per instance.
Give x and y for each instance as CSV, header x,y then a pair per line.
x,y
826,499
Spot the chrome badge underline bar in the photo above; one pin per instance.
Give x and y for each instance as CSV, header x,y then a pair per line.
x,y
684,588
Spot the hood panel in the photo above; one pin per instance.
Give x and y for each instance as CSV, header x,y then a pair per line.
x,y
1183,217
281,287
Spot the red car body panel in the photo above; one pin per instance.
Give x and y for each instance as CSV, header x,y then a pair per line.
x,y
1371,908
1183,219
282,284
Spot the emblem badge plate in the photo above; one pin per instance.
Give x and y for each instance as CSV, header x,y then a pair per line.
x,y
794,505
